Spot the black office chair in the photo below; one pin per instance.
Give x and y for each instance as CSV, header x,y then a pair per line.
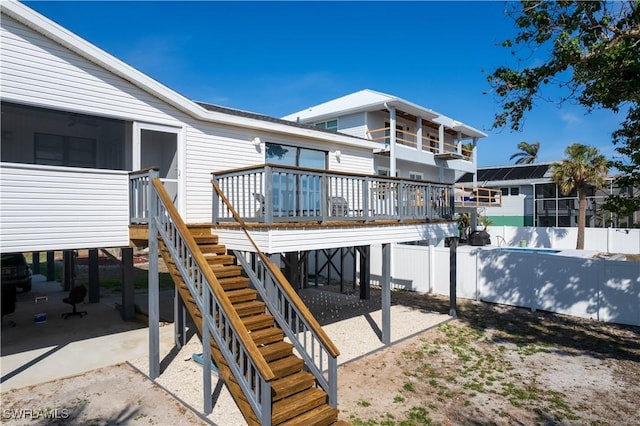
x,y
8,302
76,295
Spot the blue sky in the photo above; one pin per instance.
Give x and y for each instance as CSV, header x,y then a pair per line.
x,y
276,58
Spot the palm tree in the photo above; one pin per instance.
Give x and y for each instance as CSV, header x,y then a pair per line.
x,y
528,152
583,167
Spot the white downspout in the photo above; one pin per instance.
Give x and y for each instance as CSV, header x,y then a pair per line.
x,y
392,139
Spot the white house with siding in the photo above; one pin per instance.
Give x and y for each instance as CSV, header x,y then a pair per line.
x,y
79,127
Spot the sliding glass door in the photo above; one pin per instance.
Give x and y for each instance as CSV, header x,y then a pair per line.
x,y
295,194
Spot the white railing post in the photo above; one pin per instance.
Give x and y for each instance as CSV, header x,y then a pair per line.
x,y
215,213
268,196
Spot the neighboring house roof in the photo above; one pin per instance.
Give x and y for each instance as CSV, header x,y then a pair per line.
x,y
78,45
529,173
370,100
256,116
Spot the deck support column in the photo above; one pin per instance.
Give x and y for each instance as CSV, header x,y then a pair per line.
x,y
292,268
35,262
453,246
386,293
154,292
51,266
94,276
68,261
128,291
365,273
179,320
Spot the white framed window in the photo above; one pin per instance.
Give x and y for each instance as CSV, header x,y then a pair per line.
x,y
383,171
416,175
329,125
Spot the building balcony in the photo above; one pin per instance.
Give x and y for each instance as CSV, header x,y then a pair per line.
x,y
438,148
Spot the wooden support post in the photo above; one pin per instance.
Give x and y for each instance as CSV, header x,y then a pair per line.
x,y
341,269
35,262
354,271
365,273
386,293
453,245
292,268
94,276
51,266
128,290
304,269
68,261
316,267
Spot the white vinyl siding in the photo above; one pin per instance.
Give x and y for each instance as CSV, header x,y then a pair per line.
x,y
38,71
210,149
353,124
58,208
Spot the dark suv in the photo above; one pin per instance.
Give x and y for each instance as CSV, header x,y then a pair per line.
x,y
16,271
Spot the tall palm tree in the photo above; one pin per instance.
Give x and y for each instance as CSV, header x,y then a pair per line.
x,y
583,167
528,152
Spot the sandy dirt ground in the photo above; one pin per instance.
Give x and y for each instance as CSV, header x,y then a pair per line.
x,y
497,365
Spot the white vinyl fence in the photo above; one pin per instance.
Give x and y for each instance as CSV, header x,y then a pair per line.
x,y
600,289
610,240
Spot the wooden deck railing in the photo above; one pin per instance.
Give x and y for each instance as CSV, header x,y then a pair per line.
x,y
429,144
272,193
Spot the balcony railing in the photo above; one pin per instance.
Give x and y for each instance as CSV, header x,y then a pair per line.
x,y
477,197
429,144
273,193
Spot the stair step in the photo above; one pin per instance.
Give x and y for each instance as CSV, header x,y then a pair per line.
x,y
199,228
213,248
286,366
295,405
205,239
220,259
289,385
226,271
254,307
256,322
234,283
324,415
267,335
276,351
242,295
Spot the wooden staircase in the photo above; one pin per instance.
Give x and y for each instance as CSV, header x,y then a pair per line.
x,y
296,400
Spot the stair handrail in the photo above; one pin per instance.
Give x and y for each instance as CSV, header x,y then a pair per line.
x,y
326,348
248,365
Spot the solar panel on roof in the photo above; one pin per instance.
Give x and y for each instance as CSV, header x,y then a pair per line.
x,y
508,173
